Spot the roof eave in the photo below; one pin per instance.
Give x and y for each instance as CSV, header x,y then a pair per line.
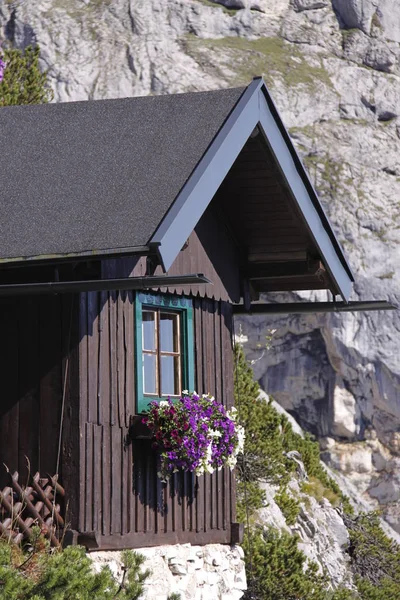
x,y
19,261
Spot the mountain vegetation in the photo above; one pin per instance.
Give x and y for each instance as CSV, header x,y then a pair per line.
x,y
277,569
23,81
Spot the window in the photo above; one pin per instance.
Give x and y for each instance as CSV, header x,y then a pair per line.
x,y
164,347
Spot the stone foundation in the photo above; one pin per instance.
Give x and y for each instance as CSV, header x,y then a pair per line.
x,y
212,572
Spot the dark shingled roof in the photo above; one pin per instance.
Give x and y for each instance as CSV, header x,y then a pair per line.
x,y
100,175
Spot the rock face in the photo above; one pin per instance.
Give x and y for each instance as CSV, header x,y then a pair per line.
x,y
333,67
323,536
193,572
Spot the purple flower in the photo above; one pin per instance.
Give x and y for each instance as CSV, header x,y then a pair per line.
x,y
192,434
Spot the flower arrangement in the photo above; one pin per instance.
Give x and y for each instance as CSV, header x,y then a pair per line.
x,y
195,433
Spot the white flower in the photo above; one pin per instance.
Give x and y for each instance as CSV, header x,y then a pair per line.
x,y
232,414
185,392
209,468
241,437
209,452
163,404
231,462
213,433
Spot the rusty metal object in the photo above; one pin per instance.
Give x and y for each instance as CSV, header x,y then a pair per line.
x,y
23,507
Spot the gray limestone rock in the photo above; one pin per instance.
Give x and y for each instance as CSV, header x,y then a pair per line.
x,y
301,5
371,16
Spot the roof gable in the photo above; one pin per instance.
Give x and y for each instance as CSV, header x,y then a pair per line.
x,y
254,113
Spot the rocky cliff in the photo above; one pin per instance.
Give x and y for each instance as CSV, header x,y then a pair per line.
x,y
333,67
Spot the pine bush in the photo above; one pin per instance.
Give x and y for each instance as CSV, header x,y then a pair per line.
x,y
23,81
40,573
279,570
276,568
269,435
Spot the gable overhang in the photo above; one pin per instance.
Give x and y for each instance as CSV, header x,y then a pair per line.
x,y
254,111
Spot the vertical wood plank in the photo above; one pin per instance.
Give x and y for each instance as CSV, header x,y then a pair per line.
x,y
112,303
139,462
97,478
89,478
206,344
83,356
121,299
126,477
218,324
198,500
93,356
104,362
168,525
225,386
29,406
116,483
83,403
70,460
129,357
50,356
159,522
9,407
206,503
197,303
107,450
147,492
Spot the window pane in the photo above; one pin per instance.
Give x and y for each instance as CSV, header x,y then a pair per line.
x,y
170,371
169,334
149,374
149,330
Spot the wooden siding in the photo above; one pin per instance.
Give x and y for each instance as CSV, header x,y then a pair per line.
x,y
36,340
209,250
122,497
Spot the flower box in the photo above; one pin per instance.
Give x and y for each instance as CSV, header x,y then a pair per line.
x,y
194,433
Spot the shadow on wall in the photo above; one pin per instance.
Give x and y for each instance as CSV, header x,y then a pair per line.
x,y
150,491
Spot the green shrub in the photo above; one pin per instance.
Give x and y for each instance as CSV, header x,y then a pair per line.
x,y
39,573
279,570
23,81
269,435
276,568
375,558
289,506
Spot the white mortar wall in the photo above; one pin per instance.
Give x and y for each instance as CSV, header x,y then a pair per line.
x,y
212,572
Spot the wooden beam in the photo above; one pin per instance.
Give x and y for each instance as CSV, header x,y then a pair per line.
x,y
257,255
285,270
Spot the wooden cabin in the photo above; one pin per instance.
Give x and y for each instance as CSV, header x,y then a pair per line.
x,y
130,230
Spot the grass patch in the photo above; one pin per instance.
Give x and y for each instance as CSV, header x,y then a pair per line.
x,y
315,488
269,57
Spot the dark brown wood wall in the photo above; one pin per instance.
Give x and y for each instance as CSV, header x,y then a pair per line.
x,y
37,336
121,496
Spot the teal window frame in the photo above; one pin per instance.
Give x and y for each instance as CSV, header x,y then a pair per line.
x,y
184,307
